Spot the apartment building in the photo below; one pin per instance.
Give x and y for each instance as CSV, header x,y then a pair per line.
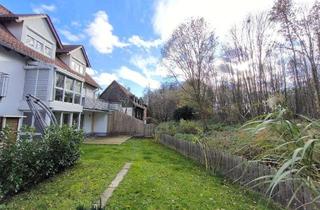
x,y
33,60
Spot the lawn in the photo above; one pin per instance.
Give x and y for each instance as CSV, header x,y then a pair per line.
x,y
158,179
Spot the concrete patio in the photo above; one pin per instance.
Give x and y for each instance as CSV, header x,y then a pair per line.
x,y
107,140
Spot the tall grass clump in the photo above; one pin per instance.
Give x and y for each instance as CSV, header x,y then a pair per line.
x,y
295,151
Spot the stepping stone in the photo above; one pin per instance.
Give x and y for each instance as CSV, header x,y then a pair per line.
x,y
105,196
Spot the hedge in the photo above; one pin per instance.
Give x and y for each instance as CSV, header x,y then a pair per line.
x,y
27,162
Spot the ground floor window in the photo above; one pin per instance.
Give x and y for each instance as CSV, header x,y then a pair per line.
x,y
30,121
75,119
68,118
1,123
81,121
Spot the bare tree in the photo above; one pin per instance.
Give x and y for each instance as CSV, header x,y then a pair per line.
x,y
189,55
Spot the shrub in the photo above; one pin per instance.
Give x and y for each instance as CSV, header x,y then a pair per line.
x,y
190,127
187,137
30,161
185,112
169,128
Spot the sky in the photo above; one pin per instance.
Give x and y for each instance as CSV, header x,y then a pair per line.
x,y
123,38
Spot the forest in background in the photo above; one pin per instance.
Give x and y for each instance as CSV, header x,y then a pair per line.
x,y
271,58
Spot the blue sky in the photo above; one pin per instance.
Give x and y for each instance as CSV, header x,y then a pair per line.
x,y
123,38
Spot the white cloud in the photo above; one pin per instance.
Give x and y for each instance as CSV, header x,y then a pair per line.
x,y
149,65
43,8
138,78
139,42
70,36
101,34
220,14
104,79
76,24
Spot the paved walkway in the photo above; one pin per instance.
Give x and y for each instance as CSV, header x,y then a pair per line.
x,y
114,184
107,140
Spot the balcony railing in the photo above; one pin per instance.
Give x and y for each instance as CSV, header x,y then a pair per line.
x,y
98,104
95,104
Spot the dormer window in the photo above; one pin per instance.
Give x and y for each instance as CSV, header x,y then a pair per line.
x,y
77,67
38,43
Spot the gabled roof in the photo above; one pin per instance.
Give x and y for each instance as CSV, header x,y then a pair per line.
x,y
125,91
6,15
4,10
89,80
9,41
70,48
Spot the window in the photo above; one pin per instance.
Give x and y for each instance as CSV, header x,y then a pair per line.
x,y
39,46
77,67
58,95
77,98
75,119
60,80
66,118
58,117
30,41
48,51
1,122
69,83
4,80
27,120
68,97
67,89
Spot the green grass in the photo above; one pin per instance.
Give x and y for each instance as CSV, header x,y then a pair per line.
x,y
158,179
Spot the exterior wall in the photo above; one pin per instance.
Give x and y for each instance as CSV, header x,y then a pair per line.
x,y
16,29
39,27
79,57
63,106
100,123
114,94
12,64
128,111
89,92
87,122
66,59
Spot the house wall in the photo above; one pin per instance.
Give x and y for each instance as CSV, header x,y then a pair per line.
x,y
114,94
87,122
100,123
40,28
12,64
128,111
78,56
89,91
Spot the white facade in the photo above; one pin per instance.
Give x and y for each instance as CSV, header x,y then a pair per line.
x,y
63,91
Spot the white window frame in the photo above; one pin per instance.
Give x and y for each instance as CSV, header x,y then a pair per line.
x,y
64,89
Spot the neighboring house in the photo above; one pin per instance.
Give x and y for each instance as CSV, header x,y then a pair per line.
x,y
34,61
116,94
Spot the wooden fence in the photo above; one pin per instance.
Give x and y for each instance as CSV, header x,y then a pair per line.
x,y
242,171
121,123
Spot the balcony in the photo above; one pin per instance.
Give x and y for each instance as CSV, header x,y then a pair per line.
x,y
95,104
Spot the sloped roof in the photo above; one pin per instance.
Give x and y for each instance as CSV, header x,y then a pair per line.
x,y
8,40
70,48
7,15
91,81
4,10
